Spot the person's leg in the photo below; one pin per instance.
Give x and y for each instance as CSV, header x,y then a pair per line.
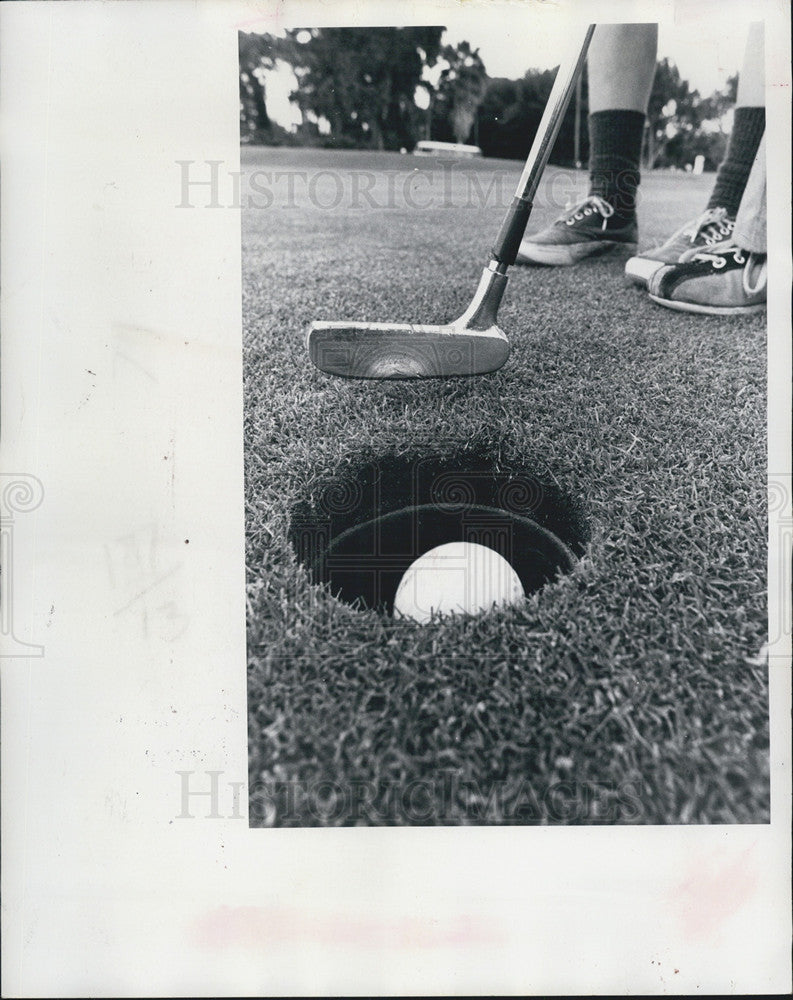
x,y
729,278
716,223
621,65
621,71
748,126
751,223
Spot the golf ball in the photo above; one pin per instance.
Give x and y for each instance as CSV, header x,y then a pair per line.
x,y
456,578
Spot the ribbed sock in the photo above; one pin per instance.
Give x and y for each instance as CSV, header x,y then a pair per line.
x,y
615,145
747,131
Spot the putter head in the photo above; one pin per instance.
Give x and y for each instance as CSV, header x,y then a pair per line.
x,y
391,350
471,345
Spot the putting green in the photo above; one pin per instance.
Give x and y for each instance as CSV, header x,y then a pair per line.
x,y
631,689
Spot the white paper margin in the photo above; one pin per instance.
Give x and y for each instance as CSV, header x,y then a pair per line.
x,y
122,395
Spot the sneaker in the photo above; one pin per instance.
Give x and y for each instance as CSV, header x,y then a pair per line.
x,y
585,230
721,281
712,227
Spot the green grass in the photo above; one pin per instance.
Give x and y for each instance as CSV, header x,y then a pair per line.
x,y
630,690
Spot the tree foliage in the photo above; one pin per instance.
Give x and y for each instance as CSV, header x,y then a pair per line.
x,y
510,115
719,103
683,125
671,110
461,87
256,55
363,80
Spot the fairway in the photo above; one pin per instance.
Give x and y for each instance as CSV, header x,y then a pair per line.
x,y
631,689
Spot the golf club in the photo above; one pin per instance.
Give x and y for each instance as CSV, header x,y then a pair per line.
x,y
473,344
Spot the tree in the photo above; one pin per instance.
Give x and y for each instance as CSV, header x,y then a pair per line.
x,y
362,80
461,87
682,125
714,108
256,55
672,110
497,135
511,111
711,136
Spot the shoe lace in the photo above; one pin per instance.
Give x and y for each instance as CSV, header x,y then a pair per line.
x,y
754,276
718,253
713,225
591,205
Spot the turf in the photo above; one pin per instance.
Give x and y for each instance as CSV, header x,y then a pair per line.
x,y
632,690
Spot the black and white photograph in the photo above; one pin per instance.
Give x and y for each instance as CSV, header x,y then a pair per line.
x,y
506,533
395,504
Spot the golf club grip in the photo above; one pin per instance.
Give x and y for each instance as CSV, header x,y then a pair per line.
x,y
512,229
514,225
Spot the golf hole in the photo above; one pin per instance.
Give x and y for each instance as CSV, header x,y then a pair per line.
x,y
369,524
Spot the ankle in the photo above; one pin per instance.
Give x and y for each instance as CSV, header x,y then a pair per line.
x,y
618,189
615,151
733,174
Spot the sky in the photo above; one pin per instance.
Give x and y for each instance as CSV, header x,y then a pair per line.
x,y
513,43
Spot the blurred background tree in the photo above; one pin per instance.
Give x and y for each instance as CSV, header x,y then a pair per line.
x,y
460,90
511,111
362,81
671,112
682,125
372,88
256,53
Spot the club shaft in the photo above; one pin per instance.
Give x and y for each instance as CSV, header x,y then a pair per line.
x,y
514,225
551,122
